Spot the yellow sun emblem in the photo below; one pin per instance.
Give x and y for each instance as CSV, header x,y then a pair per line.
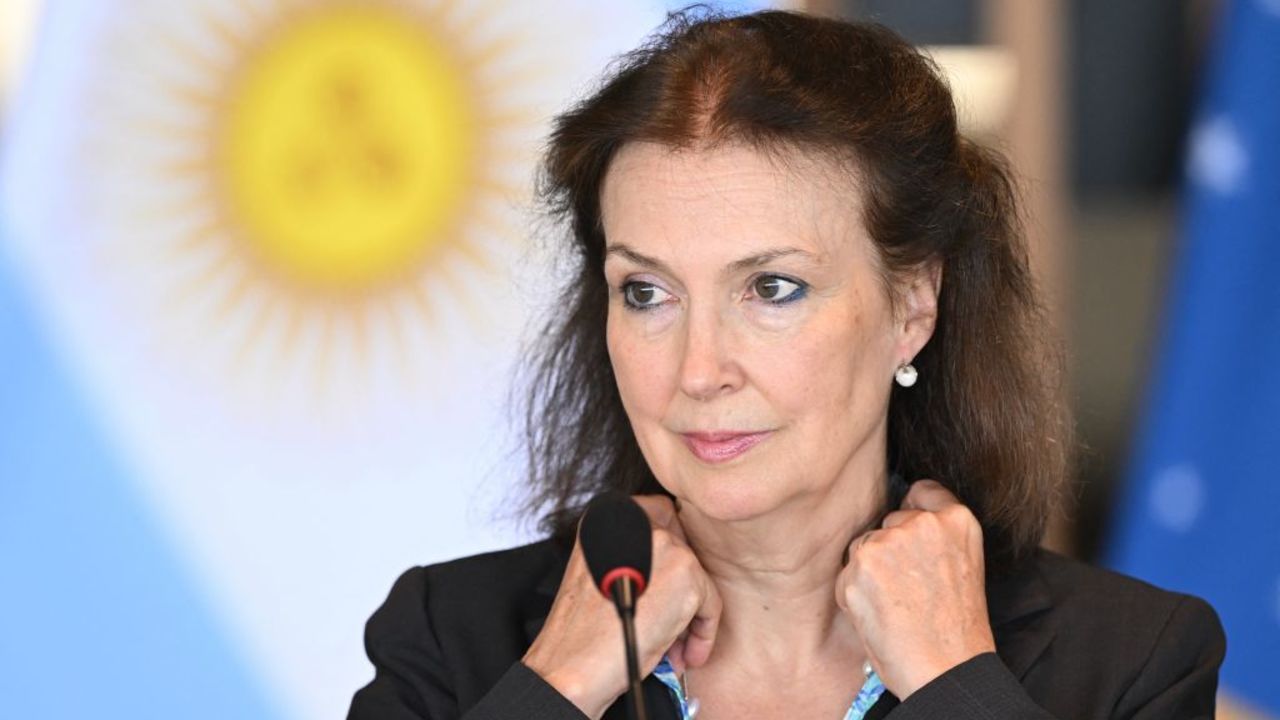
x,y
320,196
347,148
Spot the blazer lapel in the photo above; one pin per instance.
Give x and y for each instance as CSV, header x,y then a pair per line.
x,y
1016,605
539,607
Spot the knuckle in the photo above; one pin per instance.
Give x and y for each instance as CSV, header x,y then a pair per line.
x,y
862,558
920,486
960,515
689,604
975,530
928,522
688,561
858,582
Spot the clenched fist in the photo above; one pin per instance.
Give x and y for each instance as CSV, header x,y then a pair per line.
x,y
915,589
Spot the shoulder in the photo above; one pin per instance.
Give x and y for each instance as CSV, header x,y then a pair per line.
x,y
492,585
454,628
527,568
1124,642
501,572
1102,600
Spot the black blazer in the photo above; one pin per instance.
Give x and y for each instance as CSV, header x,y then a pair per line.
x,y
1073,641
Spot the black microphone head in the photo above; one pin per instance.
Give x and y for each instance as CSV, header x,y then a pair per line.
x,y
617,542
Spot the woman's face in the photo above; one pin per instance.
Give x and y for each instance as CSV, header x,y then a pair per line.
x,y
750,334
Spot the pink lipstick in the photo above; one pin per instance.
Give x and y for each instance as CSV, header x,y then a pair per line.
x,y
718,447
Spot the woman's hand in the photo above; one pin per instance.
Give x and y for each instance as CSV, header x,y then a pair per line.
x,y
915,589
580,650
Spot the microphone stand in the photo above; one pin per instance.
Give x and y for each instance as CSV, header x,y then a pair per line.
x,y
624,599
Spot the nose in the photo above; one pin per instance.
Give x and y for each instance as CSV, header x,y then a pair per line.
x,y
708,367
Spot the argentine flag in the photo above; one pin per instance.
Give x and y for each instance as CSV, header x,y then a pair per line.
x,y
265,271
1202,511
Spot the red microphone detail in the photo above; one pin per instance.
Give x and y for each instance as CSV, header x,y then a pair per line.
x,y
616,574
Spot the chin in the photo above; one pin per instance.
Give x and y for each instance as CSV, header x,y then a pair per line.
x,y
730,496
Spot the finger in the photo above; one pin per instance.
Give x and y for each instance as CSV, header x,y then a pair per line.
x,y
675,656
702,631
577,561
928,495
842,583
659,508
897,517
662,513
848,594
853,546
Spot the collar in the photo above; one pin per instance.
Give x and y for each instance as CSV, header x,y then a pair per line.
x,y
1014,604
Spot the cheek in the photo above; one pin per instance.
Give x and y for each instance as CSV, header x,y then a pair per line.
x,y
833,371
811,382
639,368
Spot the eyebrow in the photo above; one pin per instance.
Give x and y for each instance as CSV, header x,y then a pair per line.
x,y
637,258
768,256
746,263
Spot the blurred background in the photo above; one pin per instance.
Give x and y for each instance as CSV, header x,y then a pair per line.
x,y
267,268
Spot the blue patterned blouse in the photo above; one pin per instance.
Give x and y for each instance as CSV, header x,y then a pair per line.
x,y
867,696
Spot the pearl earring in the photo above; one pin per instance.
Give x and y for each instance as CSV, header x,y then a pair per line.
x,y
906,374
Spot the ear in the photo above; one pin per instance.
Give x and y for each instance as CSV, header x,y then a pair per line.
x,y
918,309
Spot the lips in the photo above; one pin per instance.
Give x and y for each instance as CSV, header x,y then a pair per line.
x,y
718,447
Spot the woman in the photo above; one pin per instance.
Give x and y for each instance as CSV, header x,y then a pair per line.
x,y
798,285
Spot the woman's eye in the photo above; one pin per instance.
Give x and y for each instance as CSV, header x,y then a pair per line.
x,y
777,289
643,295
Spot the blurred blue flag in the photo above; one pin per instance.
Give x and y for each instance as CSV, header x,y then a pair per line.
x,y
1202,511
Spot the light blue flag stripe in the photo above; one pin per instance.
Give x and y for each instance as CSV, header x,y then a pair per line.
x,y
98,618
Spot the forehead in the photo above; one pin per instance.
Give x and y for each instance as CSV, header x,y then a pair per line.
x,y
731,191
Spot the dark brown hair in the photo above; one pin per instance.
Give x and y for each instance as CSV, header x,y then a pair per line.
x,y
985,419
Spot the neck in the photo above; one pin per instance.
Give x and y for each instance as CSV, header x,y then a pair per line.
x,y
776,574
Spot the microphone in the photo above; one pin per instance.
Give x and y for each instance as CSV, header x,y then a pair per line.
x,y
617,543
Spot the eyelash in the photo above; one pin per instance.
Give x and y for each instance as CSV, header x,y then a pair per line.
x,y
797,294
630,304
